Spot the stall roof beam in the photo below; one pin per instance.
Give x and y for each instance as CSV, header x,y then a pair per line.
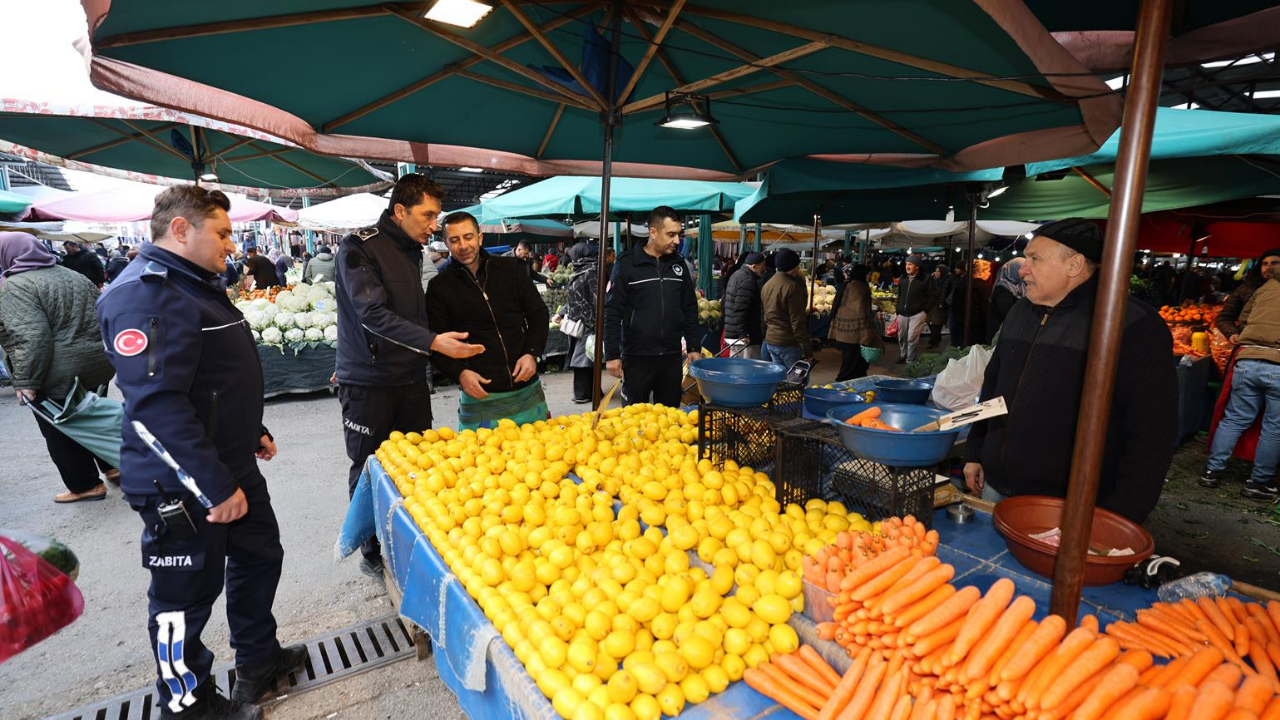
x,y
556,53
114,143
655,43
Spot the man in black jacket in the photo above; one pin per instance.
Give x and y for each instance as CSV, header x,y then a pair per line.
x,y
917,293
84,262
743,323
651,306
492,301
1038,368
383,338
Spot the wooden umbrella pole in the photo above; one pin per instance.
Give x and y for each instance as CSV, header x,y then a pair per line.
x,y
609,117
1109,311
968,274
813,278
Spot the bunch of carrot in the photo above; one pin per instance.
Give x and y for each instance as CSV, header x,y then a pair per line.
x,y
870,418
828,567
1247,634
964,653
800,681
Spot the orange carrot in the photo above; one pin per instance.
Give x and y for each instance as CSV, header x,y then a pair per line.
x,y
869,413
946,708
1262,664
1180,626
1219,641
984,614
1180,708
1273,710
1019,640
917,590
765,685
902,710
1213,702
1151,704
886,698
1237,608
936,640
1273,652
1075,643
1216,616
946,613
1259,613
1172,645
872,568
1149,673
1148,619
922,566
1114,712
923,698
878,584
1228,674
1179,611
866,690
1141,660
1241,642
1039,645
1273,612
1093,659
1257,636
844,689
804,692
1173,668
1253,694
1089,621
826,631
1076,698
924,606
992,646
1240,714
1193,610
805,675
1205,661
815,661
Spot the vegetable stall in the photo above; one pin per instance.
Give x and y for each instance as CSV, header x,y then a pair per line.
x,y
296,330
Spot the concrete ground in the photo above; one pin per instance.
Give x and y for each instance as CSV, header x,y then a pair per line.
x,y
105,652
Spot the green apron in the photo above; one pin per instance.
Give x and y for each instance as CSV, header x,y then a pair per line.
x,y
523,406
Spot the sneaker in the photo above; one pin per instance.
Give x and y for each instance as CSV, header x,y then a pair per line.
x,y
253,681
1211,478
372,567
210,704
580,401
1261,491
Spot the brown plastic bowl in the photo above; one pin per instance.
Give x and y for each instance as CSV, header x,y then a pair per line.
x,y
1017,518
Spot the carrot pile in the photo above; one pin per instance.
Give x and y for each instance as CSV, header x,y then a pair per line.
x,y
870,418
924,649
1246,634
800,681
828,567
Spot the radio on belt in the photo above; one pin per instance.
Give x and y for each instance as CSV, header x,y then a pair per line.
x,y
174,515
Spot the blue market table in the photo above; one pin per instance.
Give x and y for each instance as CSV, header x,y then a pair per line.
x,y
490,682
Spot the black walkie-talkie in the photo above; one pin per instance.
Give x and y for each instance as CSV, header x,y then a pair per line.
x,y
174,515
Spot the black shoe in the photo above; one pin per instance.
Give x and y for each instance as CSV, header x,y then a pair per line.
x,y
1211,478
372,567
1260,491
210,704
252,681
580,401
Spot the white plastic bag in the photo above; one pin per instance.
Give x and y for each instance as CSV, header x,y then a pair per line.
x,y
959,384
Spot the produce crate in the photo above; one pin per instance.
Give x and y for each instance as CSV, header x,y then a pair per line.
x,y
811,462
747,436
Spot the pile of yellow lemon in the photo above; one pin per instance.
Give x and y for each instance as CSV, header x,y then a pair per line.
x,y
614,618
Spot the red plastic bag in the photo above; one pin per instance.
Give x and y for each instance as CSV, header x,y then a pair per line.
x,y
36,599
892,329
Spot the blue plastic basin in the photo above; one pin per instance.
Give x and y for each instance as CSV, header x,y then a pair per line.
x,y
818,401
897,449
737,382
912,392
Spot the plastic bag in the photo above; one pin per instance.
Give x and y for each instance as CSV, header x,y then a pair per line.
x,y
36,599
892,329
959,384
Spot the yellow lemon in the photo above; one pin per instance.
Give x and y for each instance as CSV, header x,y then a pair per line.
x,y
582,654
672,664
733,666
748,594
566,701
695,688
766,581
588,711
675,595
618,645
756,656
585,684
622,687
784,639
789,585
650,679
671,700
619,711
716,678
645,609
735,614
645,707
698,652
772,608
736,641
684,537
705,602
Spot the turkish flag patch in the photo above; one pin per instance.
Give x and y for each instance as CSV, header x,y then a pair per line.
x,y
130,342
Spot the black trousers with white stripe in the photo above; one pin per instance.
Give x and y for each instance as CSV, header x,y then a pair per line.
x,y
188,575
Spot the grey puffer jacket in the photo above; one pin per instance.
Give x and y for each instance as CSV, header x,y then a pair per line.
x,y
49,331
321,268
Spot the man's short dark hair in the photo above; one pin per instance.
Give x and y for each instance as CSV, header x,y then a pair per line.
x,y
458,216
524,244
661,213
410,188
192,202
251,251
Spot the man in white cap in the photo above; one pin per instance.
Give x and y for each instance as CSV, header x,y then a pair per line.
x,y
917,292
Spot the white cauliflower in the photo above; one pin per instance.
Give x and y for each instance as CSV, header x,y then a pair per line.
x,y
256,319
271,310
303,320
260,303
314,334
283,320
272,336
331,333
257,336
325,304
293,335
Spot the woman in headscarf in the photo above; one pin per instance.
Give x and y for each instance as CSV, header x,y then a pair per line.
x,y
1009,289
581,307
49,332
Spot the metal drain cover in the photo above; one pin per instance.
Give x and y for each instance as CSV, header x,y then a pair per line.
x,y
337,655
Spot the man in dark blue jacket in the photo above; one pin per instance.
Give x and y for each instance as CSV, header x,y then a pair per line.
x,y
651,307
189,371
383,339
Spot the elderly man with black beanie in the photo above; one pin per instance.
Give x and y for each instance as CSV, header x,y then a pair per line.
x,y
917,294
786,312
1038,368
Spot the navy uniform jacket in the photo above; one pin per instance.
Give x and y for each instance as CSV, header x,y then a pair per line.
x,y
383,338
651,304
189,370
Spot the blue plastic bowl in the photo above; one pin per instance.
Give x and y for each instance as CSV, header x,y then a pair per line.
x,y
912,392
737,382
818,401
897,449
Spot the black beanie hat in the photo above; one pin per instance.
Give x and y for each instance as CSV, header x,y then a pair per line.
x,y
1083,236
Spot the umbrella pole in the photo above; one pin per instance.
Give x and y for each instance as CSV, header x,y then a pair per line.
x,y
610,118
968,279
1113,295
813,276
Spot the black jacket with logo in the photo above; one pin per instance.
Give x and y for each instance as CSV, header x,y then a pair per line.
x,y
1038,367
383,338
195,382
499,308
651,305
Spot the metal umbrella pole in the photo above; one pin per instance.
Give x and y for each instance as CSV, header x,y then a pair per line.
x,y
610,117
968,279
1109,313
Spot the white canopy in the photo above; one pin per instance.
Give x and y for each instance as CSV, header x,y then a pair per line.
x,y
350,212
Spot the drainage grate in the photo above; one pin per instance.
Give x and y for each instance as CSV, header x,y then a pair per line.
x,y
335,656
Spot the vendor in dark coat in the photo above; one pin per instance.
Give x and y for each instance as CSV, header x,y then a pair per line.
x,y
84,262
1038,368
743,320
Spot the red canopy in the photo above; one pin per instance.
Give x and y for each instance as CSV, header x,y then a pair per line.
x,y
135,204
1214,238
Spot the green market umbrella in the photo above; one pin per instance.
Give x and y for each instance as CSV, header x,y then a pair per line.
x,y
145,143
580,197
13,203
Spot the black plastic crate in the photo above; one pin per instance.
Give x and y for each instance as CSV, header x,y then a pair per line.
x,y
811,462
747,436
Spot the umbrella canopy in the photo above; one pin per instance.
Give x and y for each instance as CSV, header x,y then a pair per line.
x,y
784,79
352,212
133,204
156,142
13,202
576,196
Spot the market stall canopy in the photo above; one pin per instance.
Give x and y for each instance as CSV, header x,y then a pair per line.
x,y
515,230
577,196
591,229
134,204
352,212
54,231
13,203
987,229
139,142
769,233
1217,238
784,80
